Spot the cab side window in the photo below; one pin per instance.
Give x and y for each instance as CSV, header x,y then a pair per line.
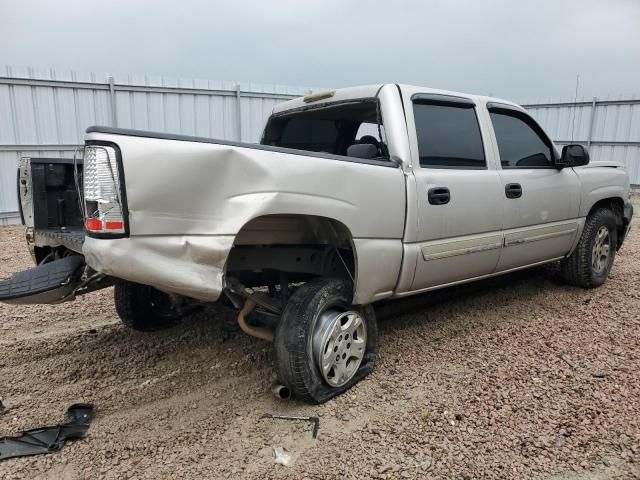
x,y
521,143
448,135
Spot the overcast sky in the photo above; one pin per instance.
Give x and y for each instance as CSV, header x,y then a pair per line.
x,y
522,50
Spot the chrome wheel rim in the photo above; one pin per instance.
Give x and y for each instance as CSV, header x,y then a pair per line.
x,y
339,345
601,250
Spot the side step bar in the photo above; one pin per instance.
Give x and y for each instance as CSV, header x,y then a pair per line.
x,y
55,282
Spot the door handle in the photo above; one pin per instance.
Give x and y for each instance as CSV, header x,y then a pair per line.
x,y
513,190
439,195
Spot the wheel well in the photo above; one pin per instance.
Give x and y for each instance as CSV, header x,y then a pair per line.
x,y
300,246
616,205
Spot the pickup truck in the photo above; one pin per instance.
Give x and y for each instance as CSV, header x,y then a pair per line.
x,y
353,196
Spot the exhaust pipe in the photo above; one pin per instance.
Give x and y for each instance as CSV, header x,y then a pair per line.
x,y
281,392
262,333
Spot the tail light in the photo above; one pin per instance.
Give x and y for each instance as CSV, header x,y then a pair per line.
x,y
102,191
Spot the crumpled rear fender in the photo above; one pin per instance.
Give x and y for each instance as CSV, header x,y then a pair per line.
x,y
187,200
189,265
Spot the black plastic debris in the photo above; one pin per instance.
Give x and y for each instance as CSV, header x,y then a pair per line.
x,y
49,439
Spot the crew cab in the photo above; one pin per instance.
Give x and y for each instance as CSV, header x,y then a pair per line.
x,y
352,196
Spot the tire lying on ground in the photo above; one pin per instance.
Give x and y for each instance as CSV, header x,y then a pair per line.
x,y
590,263
144,308
323,345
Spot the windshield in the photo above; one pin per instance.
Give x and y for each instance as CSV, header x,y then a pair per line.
x,y
331,129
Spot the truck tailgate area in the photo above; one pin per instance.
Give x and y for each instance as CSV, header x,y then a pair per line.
x,y
47,283
50,209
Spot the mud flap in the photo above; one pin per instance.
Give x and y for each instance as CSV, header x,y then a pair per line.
x,y
48,283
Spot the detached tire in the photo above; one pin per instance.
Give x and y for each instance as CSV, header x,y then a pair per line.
x,y
323,345
144,308
590,263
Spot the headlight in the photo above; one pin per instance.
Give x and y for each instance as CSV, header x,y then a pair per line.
x,y
102,194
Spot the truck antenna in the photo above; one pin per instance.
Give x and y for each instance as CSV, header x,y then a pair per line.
x,y
575,106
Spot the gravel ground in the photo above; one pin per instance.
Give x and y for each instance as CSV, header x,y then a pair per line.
x,y
516,377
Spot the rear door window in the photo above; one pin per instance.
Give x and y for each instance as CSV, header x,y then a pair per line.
x,y
448,136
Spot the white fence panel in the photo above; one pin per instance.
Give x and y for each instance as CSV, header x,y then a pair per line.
x,y
609,127
45,113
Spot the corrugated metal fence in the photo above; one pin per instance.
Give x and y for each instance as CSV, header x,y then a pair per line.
x,y
609,128
45,113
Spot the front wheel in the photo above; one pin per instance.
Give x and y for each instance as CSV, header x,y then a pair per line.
x,y
144,308
323,345
590,263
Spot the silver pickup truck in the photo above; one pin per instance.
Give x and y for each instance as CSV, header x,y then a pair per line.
x,y
352,196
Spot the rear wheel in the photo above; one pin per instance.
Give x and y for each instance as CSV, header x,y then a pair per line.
x,y
144,308
324,345
590,263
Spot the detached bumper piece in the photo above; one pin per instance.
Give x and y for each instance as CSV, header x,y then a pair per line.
x,y
49,283
49,439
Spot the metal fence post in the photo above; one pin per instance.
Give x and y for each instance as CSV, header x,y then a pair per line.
x,y
112,100
592,117
239,112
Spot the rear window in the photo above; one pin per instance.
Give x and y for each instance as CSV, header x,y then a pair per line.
x,y
310,134
329,129
369,130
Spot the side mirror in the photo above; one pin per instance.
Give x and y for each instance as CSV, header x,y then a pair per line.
x,y
573,155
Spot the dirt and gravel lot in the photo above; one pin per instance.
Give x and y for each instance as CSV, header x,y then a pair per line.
x,y
517,377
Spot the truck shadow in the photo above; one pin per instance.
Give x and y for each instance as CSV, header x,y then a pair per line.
x,y
520,286
395,315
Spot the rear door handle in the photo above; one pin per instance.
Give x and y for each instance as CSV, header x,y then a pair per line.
x,y
439,195
513,190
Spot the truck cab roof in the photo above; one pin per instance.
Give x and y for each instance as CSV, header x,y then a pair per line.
x,y
329,96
